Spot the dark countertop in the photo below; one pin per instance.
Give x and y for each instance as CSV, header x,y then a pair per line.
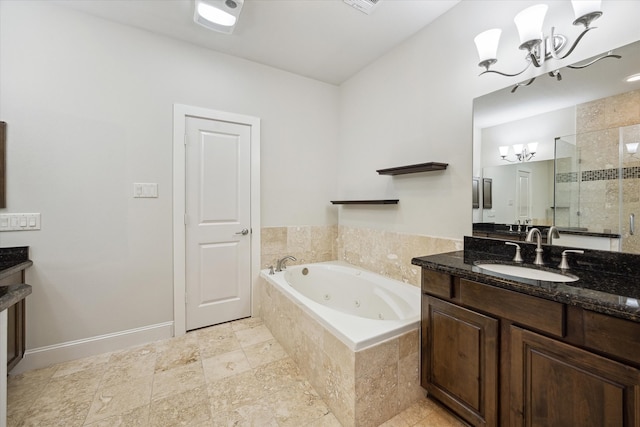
x,y
609,281
7,269
12,294
503,229
13,260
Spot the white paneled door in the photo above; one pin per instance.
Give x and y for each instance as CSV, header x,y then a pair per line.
x,y
217,221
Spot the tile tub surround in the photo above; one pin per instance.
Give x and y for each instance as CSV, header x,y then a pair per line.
x,y
389,253
308,244
364,388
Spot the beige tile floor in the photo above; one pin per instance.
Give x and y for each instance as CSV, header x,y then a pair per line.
x,y
234,374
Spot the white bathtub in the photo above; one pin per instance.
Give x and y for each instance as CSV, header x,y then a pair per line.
x,y
359,307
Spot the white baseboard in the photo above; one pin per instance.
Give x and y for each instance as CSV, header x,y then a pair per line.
x,y
45,356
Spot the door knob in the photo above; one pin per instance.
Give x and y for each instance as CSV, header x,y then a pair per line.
x,y
244,232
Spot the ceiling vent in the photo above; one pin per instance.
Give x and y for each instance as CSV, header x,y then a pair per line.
x,y
364,6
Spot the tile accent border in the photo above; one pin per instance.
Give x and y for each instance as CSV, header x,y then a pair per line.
x,y
632,172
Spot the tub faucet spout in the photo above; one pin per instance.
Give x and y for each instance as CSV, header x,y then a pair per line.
x,y
282,261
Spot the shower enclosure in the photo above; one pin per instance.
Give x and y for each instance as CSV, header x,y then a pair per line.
x,y
597,183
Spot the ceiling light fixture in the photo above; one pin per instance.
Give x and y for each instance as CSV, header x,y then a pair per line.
x,y
218,15
539,47
523,154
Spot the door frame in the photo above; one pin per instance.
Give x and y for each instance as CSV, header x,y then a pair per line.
x,y
180,114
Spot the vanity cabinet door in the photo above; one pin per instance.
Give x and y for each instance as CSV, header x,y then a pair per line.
x,y
555,384
460,360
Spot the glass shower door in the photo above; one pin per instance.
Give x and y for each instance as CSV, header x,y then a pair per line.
x,y
566,207
629,137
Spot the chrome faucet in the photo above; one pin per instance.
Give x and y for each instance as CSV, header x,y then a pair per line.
x,y
282,261
553,233
564,264
536,232
517,257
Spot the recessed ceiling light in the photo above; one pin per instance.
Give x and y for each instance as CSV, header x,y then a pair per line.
x,y
633,78
217,15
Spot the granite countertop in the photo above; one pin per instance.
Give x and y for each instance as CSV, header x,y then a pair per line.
x,y
12,294
608,283
13,260
503,229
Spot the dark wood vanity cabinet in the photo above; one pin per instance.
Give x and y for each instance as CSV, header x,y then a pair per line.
x,y
500,357
15,323
460,366
556,384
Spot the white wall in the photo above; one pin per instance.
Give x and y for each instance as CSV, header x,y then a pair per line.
x,y
542,128
89,110
414,105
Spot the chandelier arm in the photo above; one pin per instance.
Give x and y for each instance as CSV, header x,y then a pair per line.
x,y
555,55
505,74
609,55
534,60
517,85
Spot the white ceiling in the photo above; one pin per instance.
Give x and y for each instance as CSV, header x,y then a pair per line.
x,y
326,40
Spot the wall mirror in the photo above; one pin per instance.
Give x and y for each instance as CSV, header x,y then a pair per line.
x,y
560,152
3,136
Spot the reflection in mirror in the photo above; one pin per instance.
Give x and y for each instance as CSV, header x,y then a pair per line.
x,y
511,202
583,176
600,189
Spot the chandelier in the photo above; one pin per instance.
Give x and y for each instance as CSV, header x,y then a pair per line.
x,y
523,153
539,47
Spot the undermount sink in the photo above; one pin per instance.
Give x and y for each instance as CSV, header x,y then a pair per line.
x,y
527,272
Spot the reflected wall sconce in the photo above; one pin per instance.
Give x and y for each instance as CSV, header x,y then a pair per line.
x,y
218,15
523,153
632,148
539,47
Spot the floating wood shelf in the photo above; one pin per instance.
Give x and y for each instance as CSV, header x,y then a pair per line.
x,y
366,202
422,167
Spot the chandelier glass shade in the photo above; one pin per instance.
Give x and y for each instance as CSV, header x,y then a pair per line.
x,y
539,47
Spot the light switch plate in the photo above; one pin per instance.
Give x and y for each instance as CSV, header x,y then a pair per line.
x,y
19,222
145,190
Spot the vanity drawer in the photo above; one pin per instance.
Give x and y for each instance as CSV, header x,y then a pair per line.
x,y
436,283
617,337
532,312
